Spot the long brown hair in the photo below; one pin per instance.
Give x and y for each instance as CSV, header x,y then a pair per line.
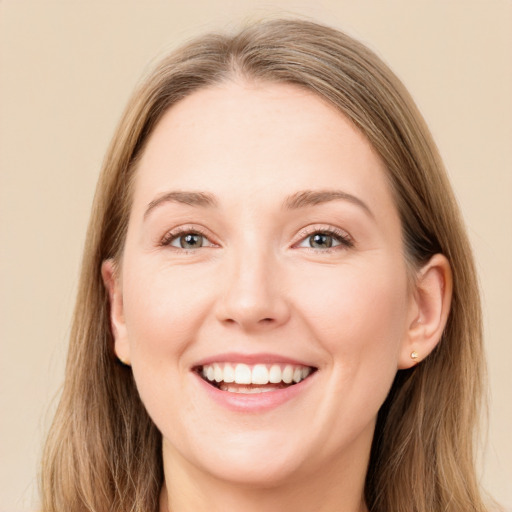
x,y
104,453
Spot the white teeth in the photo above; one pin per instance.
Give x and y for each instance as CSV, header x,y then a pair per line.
x,y
229,373
218,373
245,390
288,374
243,374
259,375
275,375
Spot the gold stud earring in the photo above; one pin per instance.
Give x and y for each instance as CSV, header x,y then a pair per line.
x,y
414,355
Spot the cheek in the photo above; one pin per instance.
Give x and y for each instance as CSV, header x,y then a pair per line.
x,y
361,316
360,322
163,309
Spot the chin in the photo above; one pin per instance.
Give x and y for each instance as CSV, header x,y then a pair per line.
x,y
256,473
252,459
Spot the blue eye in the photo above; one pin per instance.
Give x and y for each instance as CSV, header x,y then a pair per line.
x,y
322,241
325,240
188,240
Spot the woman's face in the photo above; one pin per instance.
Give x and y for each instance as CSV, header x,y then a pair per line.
x,y
263,245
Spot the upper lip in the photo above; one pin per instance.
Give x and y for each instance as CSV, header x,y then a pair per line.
x,y
250,359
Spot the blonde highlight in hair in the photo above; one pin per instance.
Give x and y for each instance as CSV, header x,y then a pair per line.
x,y
104,453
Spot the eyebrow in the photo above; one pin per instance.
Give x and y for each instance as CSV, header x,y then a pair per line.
x,y
308,198
302,199
201,199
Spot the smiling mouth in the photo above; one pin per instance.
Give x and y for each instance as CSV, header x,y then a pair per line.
x,y
258,378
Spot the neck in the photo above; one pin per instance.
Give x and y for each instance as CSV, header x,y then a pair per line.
x,y
331,489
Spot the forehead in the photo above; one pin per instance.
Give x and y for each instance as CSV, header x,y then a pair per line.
x,y
245,137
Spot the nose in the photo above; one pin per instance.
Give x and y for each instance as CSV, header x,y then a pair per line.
x,y
253,295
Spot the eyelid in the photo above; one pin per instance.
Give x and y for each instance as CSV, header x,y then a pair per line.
x,y
345,239
178,231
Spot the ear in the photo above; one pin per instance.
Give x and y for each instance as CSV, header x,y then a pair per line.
x,y
430,307
112,283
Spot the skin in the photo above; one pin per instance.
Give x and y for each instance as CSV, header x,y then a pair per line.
x,y
258,286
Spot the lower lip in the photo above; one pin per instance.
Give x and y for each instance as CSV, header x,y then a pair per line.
x,y
254,402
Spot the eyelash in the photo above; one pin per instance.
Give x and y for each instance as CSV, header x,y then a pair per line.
x,y
345,241
174,234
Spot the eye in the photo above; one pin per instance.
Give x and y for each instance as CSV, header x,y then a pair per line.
x,y
325,240
188,240
321,241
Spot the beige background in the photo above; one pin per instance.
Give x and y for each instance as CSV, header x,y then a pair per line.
x,y
66,70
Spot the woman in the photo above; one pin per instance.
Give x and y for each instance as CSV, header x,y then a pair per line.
x,y
278,307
